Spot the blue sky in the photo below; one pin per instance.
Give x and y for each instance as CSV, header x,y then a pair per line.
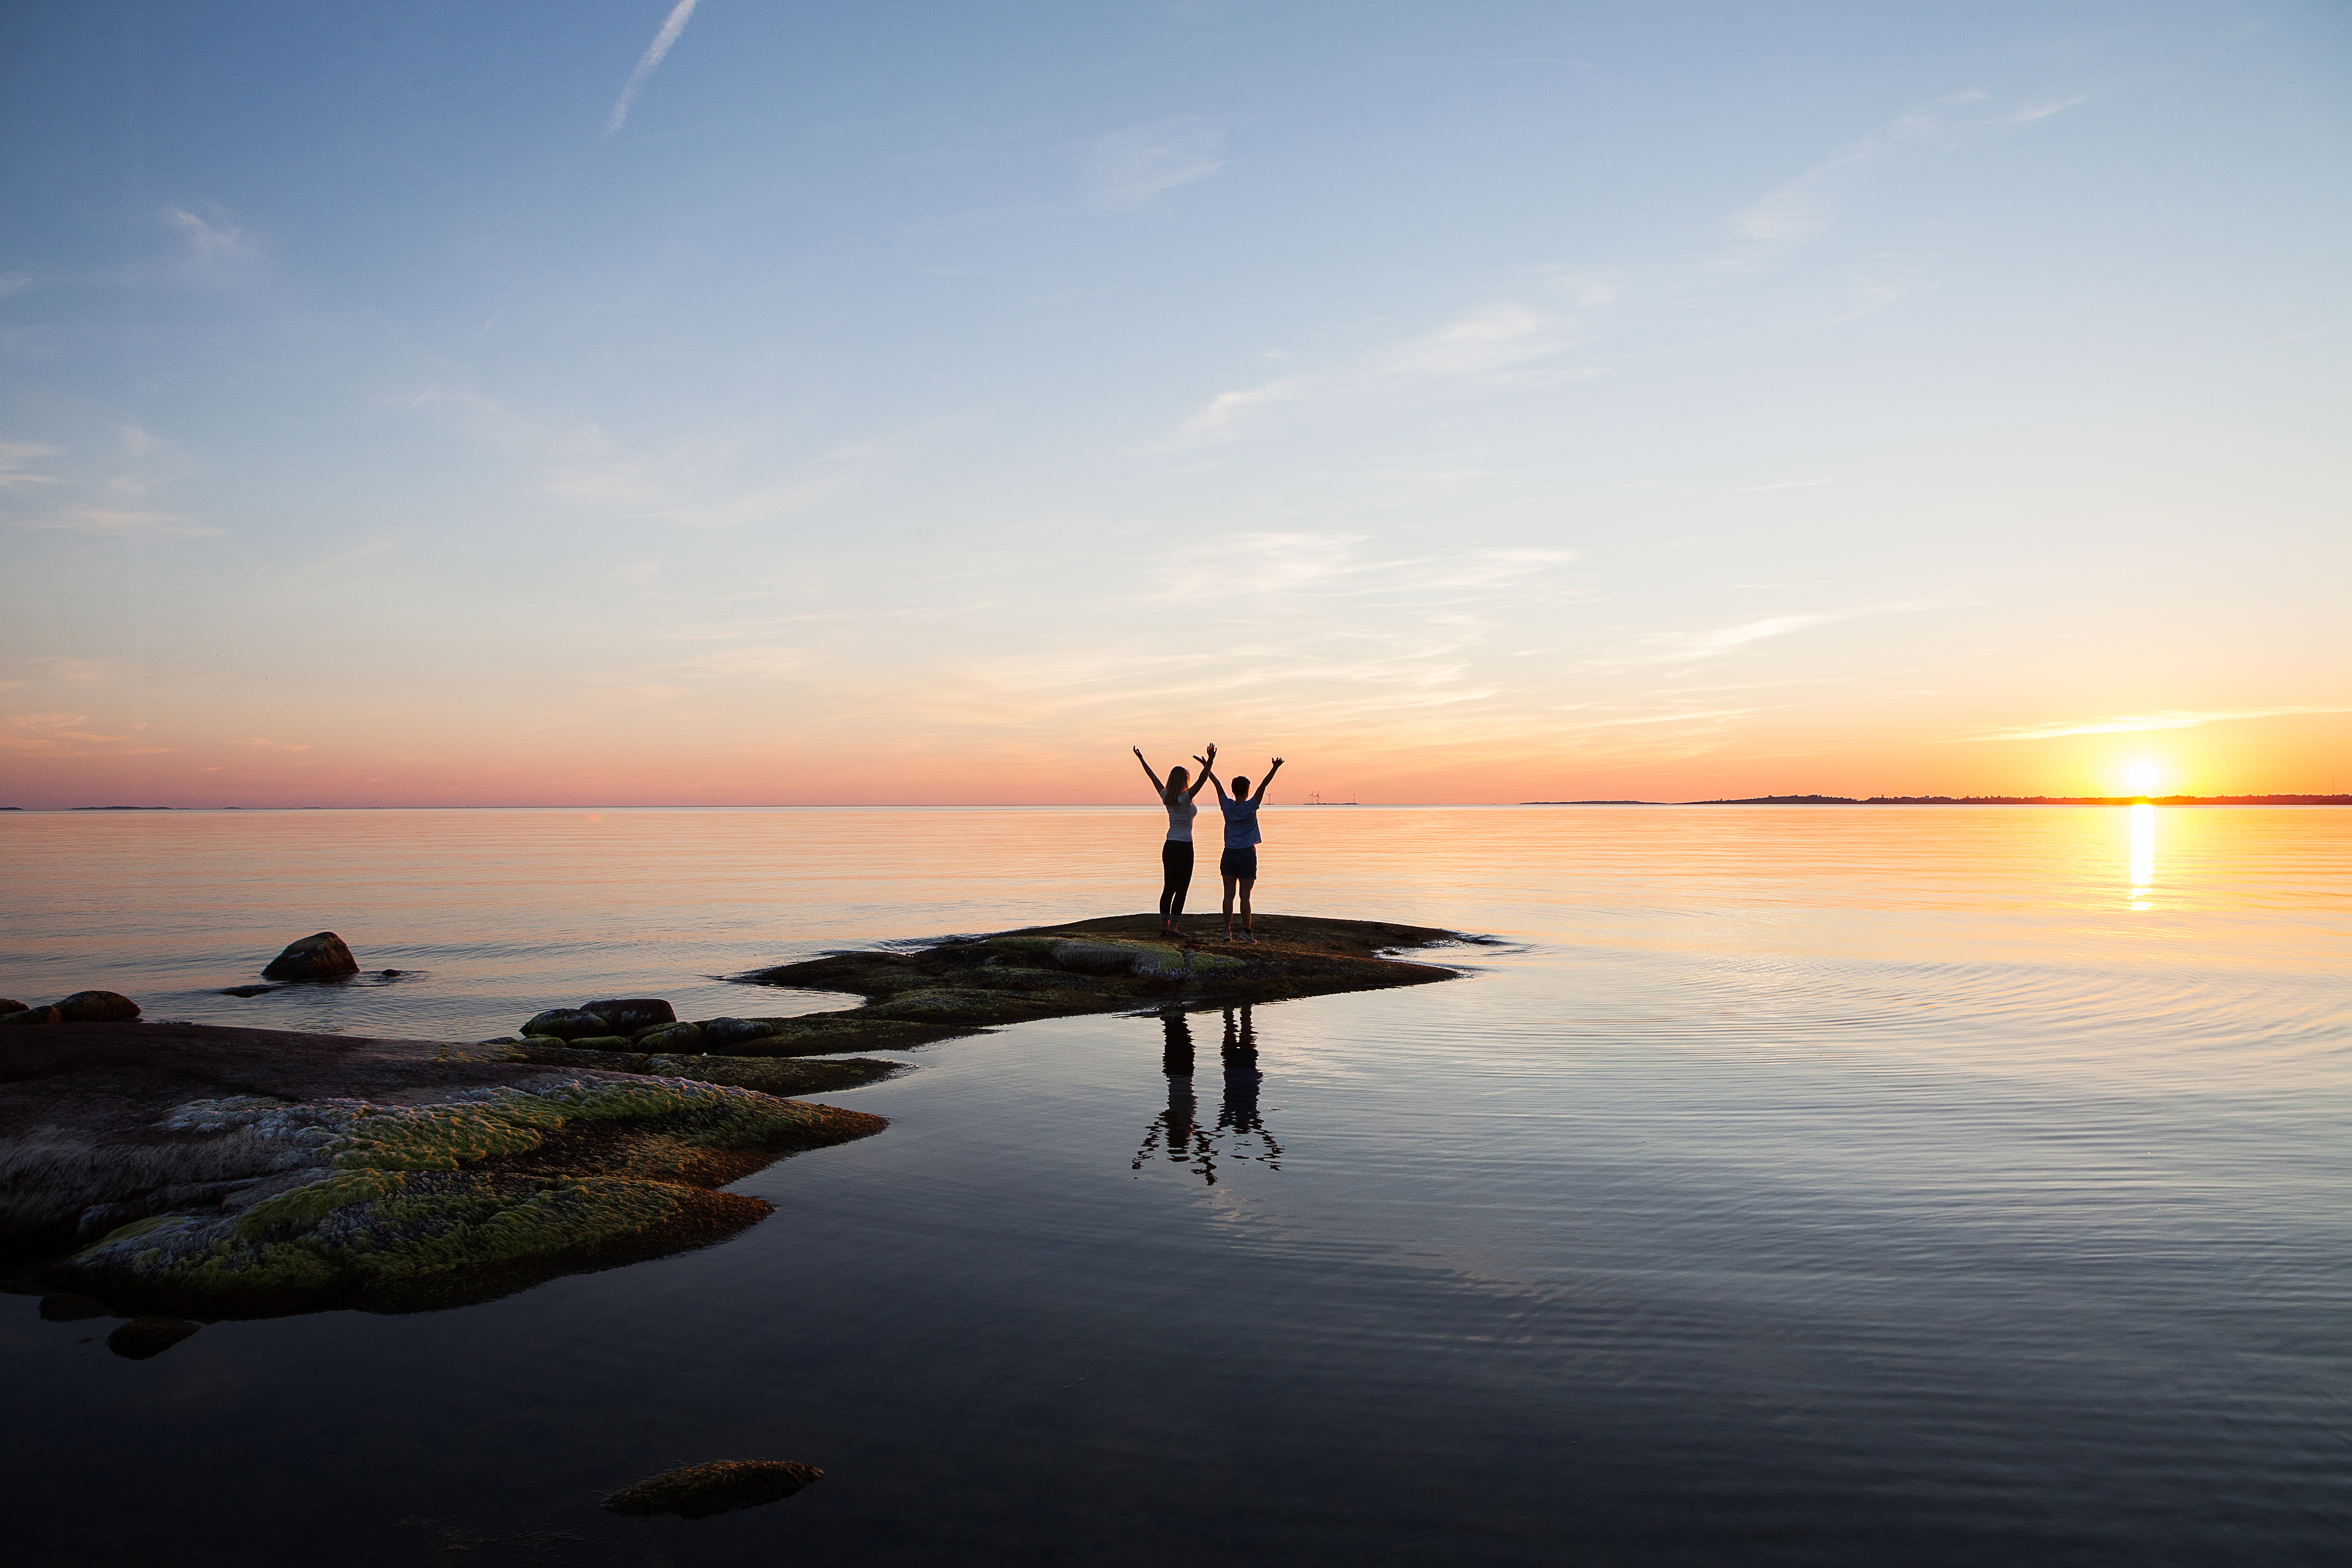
x,y
924,402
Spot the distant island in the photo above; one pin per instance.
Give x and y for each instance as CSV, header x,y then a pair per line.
x,y
1984,800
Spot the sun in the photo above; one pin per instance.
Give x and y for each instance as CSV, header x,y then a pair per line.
x,y
2143,777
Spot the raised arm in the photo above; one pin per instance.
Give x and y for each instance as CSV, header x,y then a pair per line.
x,y
1207,764
1266,780
1157,787
1209,771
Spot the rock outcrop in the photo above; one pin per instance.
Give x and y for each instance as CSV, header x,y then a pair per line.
x,y
698,1491
965,983
321,956
96,1008
191,1170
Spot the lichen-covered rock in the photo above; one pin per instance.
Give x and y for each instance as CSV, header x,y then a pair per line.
x,y
627,1014
724,1032
670,1037
97,1007
143,1338
32,1015
698,1491
566,1024
398,1206
1095,957
321,956
605,1043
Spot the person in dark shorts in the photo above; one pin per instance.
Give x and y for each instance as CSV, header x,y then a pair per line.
x,y
1176,852
1238,865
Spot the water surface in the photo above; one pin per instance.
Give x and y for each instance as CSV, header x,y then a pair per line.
x,y
1809,1186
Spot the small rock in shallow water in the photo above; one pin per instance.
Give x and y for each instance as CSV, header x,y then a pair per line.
x,y
698,1491
249,990
32,1015
566,1024
144,1337
627,1014
320,956
69,1307
97,1007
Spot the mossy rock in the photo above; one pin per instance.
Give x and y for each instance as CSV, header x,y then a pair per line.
x,y
412,1206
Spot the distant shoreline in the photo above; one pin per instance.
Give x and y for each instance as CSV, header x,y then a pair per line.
x,y
1984,800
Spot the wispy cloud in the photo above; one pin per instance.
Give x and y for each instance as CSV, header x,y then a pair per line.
x,y
1500,343
678,16
215,240
15,455
69,735
116,523
2127,724
262,743
1126,171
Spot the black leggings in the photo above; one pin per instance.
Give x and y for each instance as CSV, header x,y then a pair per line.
x,y
1175,878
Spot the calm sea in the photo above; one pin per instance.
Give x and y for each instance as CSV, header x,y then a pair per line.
x,y
1789,1186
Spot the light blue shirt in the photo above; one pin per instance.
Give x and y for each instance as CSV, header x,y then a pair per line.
x,y
1241,823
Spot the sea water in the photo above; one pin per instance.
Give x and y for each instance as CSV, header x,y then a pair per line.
x,y
1776,1186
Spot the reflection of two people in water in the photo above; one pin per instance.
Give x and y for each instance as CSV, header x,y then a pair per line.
x,y
1177,1134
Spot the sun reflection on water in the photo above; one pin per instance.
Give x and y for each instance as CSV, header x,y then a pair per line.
x,y
2143,855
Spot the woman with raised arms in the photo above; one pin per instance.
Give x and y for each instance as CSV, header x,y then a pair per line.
x,y
1239,864
1176,855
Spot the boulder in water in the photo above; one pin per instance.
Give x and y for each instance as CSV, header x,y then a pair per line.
x,y
32,1015
669,1037
97,1007
7,1006
627,1014
566,1024
698,1491
144,1337
321,956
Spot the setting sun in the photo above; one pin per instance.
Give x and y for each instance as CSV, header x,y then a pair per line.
x,y
2143,777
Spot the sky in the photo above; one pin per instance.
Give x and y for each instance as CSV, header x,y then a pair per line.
x,y
627,402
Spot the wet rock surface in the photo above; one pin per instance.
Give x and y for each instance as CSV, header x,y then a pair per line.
x,y
698,1491
1116,962
320,956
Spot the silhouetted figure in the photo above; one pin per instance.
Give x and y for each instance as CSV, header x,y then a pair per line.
x,y
1239,1115
1238,865
1177,1131
1176,1134
1176,854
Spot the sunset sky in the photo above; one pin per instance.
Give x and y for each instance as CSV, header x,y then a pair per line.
x,y
637,402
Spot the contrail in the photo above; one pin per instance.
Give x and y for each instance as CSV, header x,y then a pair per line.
x,y
654,53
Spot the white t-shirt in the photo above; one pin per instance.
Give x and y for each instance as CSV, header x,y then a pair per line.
x,y
1181,812
1241,822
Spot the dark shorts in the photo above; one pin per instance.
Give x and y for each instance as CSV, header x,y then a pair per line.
x,y
1240,863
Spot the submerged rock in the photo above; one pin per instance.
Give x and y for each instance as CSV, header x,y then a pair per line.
x,y
566,1024
722,1486
97,1007
627,1014
68,1307
141,1338
320,956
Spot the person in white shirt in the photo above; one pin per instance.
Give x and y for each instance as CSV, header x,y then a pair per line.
x,y
1176,854
1238,865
